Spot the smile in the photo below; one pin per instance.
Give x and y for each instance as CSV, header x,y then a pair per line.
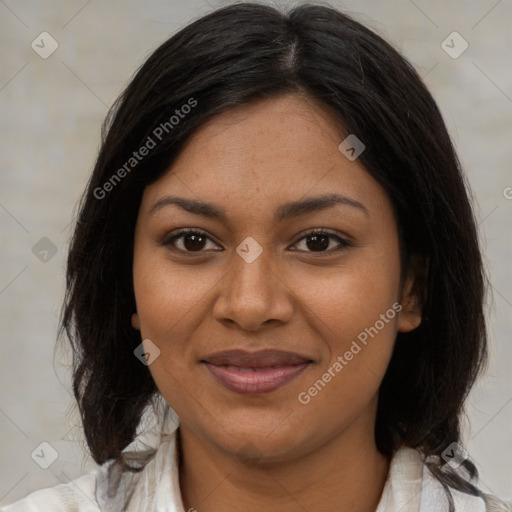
x,y
252,380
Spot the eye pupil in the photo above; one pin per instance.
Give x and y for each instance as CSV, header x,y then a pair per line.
x,y
315,239
196,241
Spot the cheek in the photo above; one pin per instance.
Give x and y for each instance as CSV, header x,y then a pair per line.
x,y
352,298
172,303
359,334
355,316
169,297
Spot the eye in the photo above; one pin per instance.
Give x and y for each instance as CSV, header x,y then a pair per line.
x,y
319,241
193,240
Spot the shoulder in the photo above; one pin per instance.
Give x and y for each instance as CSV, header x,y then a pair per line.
x,y
433,494
78,495
155,487
110,488
411,485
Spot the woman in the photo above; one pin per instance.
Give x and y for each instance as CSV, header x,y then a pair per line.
x,y
277,247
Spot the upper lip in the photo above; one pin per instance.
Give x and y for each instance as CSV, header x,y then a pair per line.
x,y
259,359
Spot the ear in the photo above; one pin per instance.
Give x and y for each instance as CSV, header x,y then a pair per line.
x,y
412,297
136,321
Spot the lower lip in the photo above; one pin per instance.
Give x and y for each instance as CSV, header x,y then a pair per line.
x,y
262,380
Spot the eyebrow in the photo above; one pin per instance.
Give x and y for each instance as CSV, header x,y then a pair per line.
x,y
284,212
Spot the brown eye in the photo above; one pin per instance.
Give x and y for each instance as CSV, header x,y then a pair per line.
x,y
195,241
192,240
319,241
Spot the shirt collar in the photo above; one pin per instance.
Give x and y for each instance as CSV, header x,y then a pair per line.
x,y
409,487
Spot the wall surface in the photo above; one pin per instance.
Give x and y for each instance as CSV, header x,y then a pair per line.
x,y
50,114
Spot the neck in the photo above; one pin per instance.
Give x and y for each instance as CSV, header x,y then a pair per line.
x,y
346,473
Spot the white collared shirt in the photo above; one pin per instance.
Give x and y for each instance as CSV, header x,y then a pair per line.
x,y
409,487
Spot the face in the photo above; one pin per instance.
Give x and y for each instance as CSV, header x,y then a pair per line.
x,y
265,268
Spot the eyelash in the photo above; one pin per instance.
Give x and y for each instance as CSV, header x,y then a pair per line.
x,y
169,240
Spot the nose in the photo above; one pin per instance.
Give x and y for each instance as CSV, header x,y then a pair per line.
x,y
254,294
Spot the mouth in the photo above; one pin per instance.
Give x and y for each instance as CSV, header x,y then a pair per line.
x,y
255,372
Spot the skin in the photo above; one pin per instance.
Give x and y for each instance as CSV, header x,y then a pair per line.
x,y
269,451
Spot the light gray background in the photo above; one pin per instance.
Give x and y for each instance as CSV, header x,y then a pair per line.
x,y
51,110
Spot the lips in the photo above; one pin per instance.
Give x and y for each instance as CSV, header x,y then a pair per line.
x,y
255,372
260,359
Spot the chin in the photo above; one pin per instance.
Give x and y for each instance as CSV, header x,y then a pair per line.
x,y
271,441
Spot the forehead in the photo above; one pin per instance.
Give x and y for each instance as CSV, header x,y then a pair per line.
x,y
260,155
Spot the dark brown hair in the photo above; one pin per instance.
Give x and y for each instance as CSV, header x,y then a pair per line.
x,y
236,55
